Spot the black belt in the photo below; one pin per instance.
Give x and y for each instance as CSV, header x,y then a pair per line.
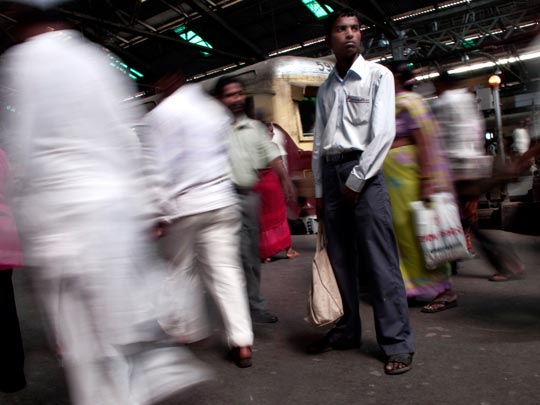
x,y
243,190
343,157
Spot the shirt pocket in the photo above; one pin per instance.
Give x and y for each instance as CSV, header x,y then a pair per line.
x,y
357,109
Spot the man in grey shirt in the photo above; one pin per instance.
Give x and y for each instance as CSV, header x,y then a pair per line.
x,y
250,150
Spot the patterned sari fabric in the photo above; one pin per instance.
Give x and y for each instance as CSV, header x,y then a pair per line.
x,y
274,232
402,172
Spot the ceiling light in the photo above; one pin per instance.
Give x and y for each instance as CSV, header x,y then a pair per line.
x,y
317,9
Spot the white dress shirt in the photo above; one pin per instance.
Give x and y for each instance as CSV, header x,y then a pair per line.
x,y
186,145
355,113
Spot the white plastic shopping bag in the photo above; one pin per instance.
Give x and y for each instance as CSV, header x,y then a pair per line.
x,y
439,230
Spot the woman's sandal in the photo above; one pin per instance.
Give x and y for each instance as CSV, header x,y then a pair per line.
x,y
438,306
292,254
498,277
405,359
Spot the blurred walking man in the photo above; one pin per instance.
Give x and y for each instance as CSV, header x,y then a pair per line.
x,y
82,206
186,140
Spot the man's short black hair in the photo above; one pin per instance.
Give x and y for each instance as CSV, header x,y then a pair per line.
x,y
332,18
225,81
403,73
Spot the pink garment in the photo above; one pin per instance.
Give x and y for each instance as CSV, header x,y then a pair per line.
x,y
10,247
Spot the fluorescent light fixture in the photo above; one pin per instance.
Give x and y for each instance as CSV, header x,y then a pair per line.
x,y
122,67
484,65
314,41
529,56
191,36
452,3
426,77
317,9
285,50
414,13
135,72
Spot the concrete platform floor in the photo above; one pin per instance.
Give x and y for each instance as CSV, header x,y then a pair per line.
x,y
486,351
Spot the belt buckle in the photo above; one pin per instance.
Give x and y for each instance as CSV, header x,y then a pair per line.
x,y
336,157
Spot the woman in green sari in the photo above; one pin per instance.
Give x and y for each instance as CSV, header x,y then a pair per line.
x,y
414,169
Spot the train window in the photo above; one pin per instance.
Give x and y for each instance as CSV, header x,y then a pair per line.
x,y
307,116
307,113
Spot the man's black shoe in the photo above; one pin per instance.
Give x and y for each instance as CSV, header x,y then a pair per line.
x,y
263,317
325,345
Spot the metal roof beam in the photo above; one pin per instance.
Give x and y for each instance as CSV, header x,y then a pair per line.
x,y
387,21
445,12
365,18
452,39
179,11
152,35
206,10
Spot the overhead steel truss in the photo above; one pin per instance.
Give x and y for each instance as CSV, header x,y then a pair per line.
x,y
483,23
469,36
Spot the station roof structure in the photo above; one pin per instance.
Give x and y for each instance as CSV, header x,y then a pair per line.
x,y
209,37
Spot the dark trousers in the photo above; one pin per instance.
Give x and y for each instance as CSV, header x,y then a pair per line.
x,y
500,255
361,238
249,249
11,348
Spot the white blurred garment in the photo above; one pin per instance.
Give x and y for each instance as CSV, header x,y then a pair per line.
x,y
185,141
280,139
522,140
82,204
462,127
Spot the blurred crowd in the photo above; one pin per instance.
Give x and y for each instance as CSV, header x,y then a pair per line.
x,y
124,220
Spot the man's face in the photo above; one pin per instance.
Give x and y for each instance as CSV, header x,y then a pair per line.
x,y
234,98
345,37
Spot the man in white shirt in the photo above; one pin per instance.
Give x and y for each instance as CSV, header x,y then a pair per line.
x,y
354,129
186,141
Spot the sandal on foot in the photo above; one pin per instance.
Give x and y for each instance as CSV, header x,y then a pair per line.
x,y
405,359
292,254
241,356
498,277
438,306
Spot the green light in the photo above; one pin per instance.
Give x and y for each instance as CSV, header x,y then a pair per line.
x,y
133,76
329,8
191,37
468,44
134,71
178,30
315,8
